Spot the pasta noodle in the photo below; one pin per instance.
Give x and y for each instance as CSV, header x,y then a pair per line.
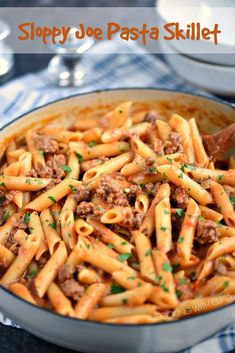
x,y
121,218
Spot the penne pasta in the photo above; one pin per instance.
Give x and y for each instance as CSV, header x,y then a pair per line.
x,y
48,273
179,178
82,197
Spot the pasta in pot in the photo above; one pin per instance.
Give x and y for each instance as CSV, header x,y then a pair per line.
x,y
128,222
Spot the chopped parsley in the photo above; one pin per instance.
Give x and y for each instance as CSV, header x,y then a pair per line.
x,y
164,287
182,281
181,175
163,228
92,144
110,246
179,293
131,277
200,218
180,240
27,217
67,169
164,176
3,184
6,216
179,212
148,252
28,181
124,257
41,152
226,284
170,160
167,267
141,185
52,225
158,279
232,200
31,275
152,169
123,243
72,187
124,301
115,289
166,212
188,166
220,177
52,199
219,224
79,157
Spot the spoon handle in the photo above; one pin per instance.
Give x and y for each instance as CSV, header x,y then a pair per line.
x,y
220,142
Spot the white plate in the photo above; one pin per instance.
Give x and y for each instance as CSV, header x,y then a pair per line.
x,y
206,12
217,79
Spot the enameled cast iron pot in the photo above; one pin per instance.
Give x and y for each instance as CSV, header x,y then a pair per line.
x,y
89,336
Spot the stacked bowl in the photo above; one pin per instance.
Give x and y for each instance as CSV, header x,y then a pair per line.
x,y
202,62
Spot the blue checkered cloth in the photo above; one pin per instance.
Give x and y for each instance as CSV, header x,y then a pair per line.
x,y
102,72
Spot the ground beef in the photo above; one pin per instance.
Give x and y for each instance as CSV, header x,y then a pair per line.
x,y
85,209
150,166
11,244
151,188
174,144
151,117
149,162
66,272
46,143
53,169
133,220
184,290
207,232
180,196
20,223
6,198
72,289
68,284
132,192
82,193
43,259
111,190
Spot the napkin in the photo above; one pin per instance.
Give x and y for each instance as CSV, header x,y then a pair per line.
x,y
103,71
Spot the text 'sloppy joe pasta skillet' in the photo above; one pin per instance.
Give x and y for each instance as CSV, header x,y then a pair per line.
x,y
112,213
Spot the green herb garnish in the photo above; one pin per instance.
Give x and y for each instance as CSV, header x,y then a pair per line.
x,y
52,225
27,217
67,169
179,212
124,257
79,157
148,252
167,267
115,289
52,199
92,144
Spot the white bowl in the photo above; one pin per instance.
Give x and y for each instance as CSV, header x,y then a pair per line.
x,y
207,13
217,79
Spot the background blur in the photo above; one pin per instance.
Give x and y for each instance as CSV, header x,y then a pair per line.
x,y
25,63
